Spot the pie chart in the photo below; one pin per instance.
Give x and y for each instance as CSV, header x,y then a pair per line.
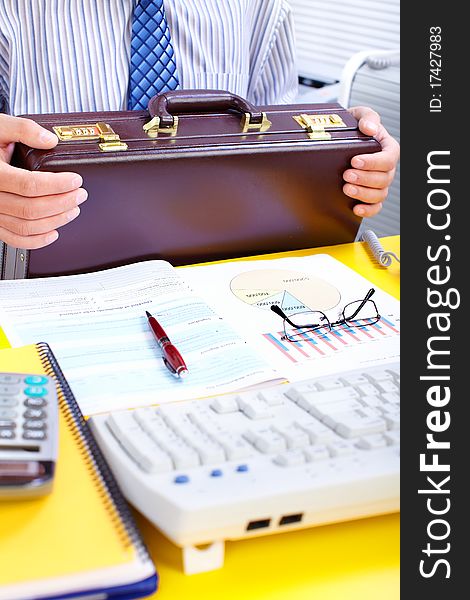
x,y
292,291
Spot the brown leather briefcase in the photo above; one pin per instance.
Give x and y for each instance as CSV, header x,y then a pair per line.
x,y
203,175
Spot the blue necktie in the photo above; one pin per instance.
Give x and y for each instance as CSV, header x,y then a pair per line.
x,y
152,68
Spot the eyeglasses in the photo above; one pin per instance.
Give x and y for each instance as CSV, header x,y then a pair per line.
x,y
359,313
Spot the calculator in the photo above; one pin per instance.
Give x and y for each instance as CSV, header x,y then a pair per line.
x,y
28,434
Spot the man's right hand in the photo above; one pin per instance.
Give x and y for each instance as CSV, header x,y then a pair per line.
x,y
33,204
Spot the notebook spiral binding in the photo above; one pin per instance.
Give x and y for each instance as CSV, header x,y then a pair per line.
x,y
102,475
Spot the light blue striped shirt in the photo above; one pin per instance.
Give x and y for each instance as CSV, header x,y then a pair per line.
x,y
73,55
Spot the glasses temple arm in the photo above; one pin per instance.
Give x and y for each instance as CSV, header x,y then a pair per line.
x,y
283,315
368,296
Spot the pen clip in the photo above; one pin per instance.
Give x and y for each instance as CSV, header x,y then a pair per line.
x,y
169,367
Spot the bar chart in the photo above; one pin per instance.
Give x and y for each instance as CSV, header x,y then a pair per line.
x,y
316,345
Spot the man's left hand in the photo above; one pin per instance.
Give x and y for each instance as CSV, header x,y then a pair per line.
x,y
371,174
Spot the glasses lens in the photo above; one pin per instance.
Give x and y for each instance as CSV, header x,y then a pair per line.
x,y
356,315
306,322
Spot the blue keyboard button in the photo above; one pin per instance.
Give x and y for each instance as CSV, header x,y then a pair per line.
x,y
35,380
181,479
242,468
216,473
34,391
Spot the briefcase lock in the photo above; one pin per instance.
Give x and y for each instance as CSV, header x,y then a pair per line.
x,y
152,128
315,125
109,140
247,124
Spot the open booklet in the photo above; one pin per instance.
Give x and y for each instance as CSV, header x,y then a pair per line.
x,y
217,316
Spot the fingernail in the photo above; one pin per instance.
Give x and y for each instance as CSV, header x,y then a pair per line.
x,y
352,177
77,181
372,126
52,237
81,196
360,211
357,162
353,190
47,137
73,214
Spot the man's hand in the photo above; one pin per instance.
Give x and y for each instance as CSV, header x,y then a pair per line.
x,y
371,174
33,204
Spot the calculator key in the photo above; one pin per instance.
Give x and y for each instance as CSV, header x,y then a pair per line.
x,y
35,391
7,413
34,424
31,434
7,401
7,424
35,380
35,402
7,434
9,390
34,413
9,379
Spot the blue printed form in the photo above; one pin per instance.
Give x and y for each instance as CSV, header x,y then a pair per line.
x,y
98,330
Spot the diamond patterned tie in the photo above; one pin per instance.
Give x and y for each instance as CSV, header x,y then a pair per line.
x,y
152,68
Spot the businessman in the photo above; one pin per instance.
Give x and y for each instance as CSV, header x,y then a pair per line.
x,y
80,55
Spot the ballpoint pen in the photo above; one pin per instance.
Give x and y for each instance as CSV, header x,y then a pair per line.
x,y
171,357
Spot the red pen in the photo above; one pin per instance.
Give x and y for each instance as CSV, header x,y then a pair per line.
x,y
171,357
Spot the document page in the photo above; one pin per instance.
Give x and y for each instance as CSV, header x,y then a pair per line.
x,y
97,327
243,292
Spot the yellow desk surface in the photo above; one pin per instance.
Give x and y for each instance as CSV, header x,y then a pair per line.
x,y
350,560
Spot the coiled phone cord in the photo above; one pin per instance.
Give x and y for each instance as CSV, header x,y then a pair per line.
x,y
383,257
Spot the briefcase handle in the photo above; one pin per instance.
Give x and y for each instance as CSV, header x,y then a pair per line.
x,y
189,101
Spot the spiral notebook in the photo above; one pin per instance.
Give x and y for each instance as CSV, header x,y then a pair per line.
x,y
80,540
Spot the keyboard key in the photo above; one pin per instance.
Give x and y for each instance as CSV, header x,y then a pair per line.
x,y
291,458
317,431
253,407
341,448
318,452
272,397
294,436
388,386
392,437
354,379
224,404
378,374
367,389
181,479
354,424
266,440
371,442
308,399
139,446
330,383
325,410
392,397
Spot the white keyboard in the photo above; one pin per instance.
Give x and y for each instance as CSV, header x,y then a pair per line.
x,y
277,458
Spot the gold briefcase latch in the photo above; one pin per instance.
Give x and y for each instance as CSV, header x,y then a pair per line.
x,y
109,139
315,125
152,128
